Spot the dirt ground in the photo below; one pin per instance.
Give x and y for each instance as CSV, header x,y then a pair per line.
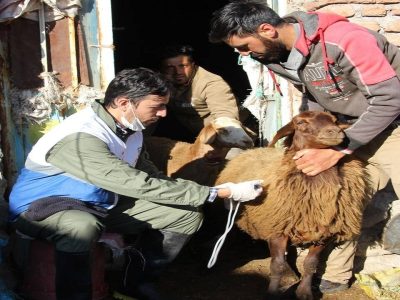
x,y
240,273
242,269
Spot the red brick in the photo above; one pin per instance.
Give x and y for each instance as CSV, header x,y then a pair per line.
x,y
387,1
393,26
394,38
363,1
314,5
343,10
368,24
373,11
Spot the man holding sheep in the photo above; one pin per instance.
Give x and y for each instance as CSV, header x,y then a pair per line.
x,y
345,69
90,174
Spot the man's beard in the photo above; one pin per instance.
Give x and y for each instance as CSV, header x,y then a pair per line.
x,y
276,52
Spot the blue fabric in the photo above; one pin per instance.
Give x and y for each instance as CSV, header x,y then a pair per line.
x,y
31,186
213,194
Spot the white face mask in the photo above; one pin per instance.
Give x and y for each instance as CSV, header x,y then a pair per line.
x,y
135,125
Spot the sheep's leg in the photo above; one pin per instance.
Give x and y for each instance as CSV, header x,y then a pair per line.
x,y
310,267
277,248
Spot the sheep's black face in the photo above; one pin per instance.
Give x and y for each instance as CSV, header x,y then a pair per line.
x,y
316,130
231,133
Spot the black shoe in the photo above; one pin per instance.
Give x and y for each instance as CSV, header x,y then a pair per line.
x,y
144,266
329,287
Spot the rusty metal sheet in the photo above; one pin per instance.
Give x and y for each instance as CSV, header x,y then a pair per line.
x,y
25,53
60,58
82,59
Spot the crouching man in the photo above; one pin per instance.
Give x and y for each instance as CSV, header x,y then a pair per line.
x,y
90,174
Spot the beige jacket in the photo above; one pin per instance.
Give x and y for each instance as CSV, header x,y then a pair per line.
x,y
206,98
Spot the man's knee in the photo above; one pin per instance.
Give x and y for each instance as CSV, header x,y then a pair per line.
x,y
79,235
189,223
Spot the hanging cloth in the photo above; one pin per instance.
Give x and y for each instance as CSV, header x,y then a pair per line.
x,y
55,9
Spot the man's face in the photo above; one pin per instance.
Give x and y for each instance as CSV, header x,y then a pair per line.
x,y
150,109
178,69
260,48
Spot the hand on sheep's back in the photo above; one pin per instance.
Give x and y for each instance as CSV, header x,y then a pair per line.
x,y
243,191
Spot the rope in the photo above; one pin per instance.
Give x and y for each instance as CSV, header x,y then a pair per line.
x,y
228,227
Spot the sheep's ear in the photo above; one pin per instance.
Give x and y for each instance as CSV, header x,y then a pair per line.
x,y
286,130
207,134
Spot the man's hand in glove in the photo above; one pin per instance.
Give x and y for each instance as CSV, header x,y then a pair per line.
x,y
242,191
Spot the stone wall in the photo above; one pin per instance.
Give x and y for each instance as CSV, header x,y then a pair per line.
x,y
382,16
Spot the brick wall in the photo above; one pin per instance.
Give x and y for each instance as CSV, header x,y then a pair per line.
x,y
382,16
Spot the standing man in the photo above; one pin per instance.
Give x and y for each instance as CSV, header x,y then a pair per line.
x,y
89,174
198,96
345,68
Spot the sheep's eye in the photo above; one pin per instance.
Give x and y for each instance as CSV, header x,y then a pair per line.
x,y
223,131
300,122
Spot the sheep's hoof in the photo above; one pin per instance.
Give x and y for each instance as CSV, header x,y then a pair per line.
x,y
304,294
273,296
273,287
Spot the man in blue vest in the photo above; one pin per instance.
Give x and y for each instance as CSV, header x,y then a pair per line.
x,y
90,174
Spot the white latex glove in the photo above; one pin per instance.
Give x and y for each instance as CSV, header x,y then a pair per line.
x,y
243,191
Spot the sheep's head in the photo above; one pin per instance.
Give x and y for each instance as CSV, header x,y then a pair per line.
x,y
232,133
311,129
216,138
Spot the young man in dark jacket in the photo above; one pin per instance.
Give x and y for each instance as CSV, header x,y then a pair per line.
x,y
346,69
198,96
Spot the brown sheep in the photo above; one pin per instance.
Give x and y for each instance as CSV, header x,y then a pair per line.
x,y
203,160
304,210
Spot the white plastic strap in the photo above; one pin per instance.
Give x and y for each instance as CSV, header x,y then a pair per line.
x,y
228,227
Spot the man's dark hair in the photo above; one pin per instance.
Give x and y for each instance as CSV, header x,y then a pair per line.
x,y
135,84
241,18
170,51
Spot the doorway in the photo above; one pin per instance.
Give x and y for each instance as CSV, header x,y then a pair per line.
x,y
142,28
